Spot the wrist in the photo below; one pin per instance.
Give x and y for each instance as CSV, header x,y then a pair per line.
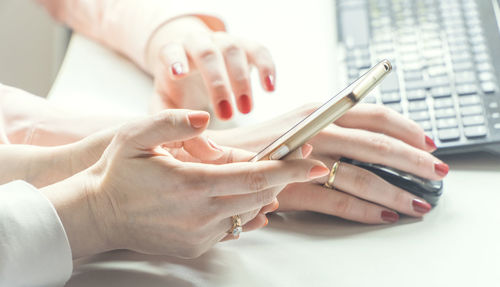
x,y
83,219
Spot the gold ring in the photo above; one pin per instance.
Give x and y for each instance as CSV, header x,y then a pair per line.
x,y
236,229
331,177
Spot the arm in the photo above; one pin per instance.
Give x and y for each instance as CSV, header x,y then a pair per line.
x,y
126,26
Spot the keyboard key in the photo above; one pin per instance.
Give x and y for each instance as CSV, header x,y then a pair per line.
x,y
355,26
461,57
475,131
465,77
413,95
391,98
426,125
435,71
449,134
370,100
489,87
473,120
443,103
447,123
469,100
486,76
466,89
413,76
390,84
484,67
471,110
439,92
444,113
395,106
419,116
415,106
463,66
482,57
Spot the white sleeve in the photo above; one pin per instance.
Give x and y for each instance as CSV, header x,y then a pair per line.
x,y
34,248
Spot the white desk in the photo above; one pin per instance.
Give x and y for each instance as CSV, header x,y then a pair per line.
x,y
457,244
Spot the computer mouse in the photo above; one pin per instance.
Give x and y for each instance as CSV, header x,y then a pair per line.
x,y
430,190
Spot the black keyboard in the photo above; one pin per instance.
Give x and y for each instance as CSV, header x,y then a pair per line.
x,y
446,59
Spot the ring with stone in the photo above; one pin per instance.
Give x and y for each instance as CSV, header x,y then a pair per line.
x,y
331,176
236,229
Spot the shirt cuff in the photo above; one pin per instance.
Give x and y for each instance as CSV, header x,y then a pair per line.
x,y
34,248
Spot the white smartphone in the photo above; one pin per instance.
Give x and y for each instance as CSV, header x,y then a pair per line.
x,y
326,114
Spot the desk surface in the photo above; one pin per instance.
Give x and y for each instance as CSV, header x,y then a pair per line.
x,y
457,244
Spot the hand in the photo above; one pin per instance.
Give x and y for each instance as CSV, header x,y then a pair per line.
x,y
192,66
368,133
139,196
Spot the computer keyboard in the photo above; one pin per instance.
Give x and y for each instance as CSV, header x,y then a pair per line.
x,y
446,58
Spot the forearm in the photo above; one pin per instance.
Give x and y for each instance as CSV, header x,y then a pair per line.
x,y
126,26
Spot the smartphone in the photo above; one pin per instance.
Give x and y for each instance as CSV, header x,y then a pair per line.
x,y
326,114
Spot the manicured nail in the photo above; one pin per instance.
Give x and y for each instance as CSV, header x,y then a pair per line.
x,y
441,168
214,145
270,83
306,150
389,216
430,143
225,110
318,171
267,222
421,206
177,69
245,104
198,119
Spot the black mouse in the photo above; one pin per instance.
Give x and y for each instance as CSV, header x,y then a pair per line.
x,y
430,190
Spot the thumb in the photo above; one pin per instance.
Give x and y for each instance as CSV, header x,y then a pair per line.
x,y
164,127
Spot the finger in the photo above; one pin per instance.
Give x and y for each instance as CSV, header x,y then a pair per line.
x,y
261,58
203,148
230,205
237,70
381,149
223,228
273,206
380,119
210,62
164,127
250,177
175,60
366,185
302,152
321,199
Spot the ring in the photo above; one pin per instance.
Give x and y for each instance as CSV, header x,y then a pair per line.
x,y
331,176
237,228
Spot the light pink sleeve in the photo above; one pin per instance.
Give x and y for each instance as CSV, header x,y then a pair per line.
x,y
126,25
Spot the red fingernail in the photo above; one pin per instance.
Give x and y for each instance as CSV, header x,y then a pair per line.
x,y
306,150
441,168
245,104
177,69
198,119
267,222
318,171
389,216
270,83
430,143
214,145
421,206
225,110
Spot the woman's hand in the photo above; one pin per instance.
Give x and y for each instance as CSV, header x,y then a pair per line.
x,y
140,196
369,133
192,66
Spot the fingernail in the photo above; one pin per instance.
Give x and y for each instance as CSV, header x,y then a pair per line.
x,y
441,168
245,104
318,171
177,69
198,119
389,216
270,83
430,143
306,150
214,145
421,206
267,222
225,110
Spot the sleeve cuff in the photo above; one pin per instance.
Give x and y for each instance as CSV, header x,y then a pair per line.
x,y
34,248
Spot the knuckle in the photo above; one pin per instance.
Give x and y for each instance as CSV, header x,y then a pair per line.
x,y
231,49
256,180
398,197
381,114
381,144
206,54
343,205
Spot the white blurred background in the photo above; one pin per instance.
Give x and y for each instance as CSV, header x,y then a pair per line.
x,y
32,46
